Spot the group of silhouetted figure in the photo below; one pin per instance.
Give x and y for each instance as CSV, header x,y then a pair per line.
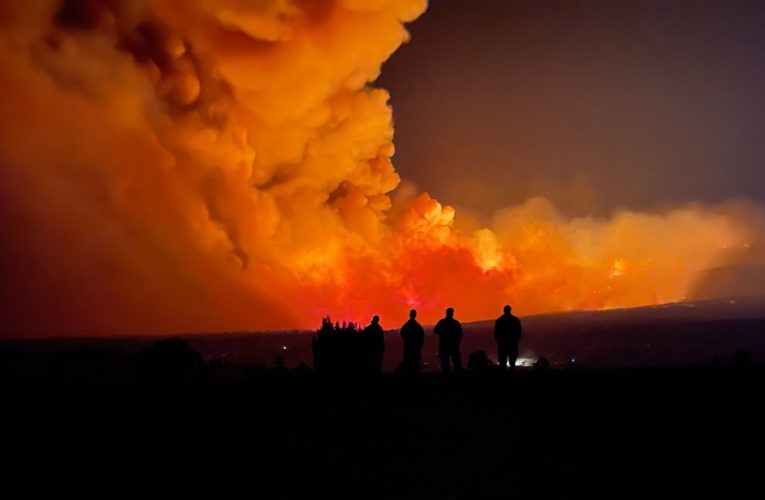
x,y
347,348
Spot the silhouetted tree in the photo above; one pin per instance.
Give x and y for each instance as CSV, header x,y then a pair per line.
x,y
347,350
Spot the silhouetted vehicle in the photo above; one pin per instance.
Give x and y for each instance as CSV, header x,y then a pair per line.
x,y
169,361
414,336
449,332
507,333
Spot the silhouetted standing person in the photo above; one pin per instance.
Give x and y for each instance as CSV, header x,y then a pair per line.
x,y
377,343
449,332
414,336
507,333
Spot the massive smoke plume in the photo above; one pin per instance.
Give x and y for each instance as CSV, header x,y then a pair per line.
x,y
168,165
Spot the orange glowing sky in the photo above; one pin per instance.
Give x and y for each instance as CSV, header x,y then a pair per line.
x,y
168,166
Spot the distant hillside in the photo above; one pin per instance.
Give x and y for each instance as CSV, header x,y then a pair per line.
x,y
700,332
730,281
678,334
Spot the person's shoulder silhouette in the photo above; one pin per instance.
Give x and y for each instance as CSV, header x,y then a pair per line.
x,y
448,326
374,327
507,326
412,331
449,332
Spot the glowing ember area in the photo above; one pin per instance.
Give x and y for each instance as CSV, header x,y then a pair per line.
x,y
224,165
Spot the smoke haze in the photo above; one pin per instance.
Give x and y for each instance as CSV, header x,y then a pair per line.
x,y
225,165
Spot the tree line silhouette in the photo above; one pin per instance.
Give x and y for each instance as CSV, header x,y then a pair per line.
x,y
347,348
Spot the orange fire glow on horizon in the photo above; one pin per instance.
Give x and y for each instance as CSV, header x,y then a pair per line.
x,y
218,165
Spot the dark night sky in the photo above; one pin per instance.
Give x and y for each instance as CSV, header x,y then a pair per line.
x,y
592,104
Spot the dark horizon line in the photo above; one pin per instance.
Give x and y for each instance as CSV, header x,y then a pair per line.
x,y
143,336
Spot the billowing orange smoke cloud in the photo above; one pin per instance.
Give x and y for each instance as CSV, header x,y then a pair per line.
x,y
168,165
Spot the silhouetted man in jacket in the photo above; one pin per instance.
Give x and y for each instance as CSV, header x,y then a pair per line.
x,y
449,332
377,343
414,336
507,333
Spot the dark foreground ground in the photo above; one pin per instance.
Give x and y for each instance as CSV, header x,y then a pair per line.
x,y
684,433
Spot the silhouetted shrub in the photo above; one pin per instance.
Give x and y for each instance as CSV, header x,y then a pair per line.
x,y
478,362
742,358
542,365
169,361
303,369
279,369
256,372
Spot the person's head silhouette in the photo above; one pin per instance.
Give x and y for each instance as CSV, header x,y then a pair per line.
x,y
449,312
412,314
375,319
508,309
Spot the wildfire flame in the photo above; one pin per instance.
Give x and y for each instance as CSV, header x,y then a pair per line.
x,y
617,268
216,165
